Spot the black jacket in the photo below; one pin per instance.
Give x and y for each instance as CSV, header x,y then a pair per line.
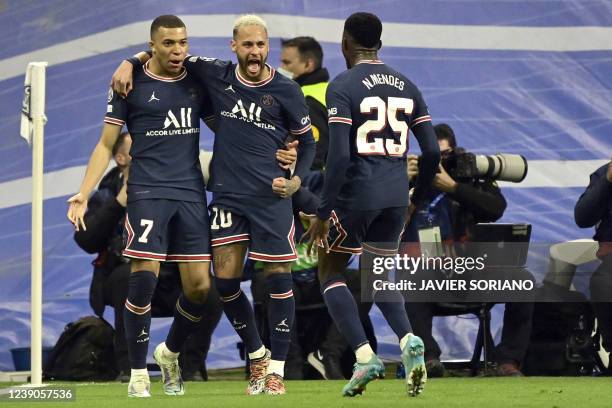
x,y
104,218
473,202
104,235
594,208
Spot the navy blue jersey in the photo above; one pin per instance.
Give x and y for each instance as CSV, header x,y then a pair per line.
x,y
371,109
163,118
253,120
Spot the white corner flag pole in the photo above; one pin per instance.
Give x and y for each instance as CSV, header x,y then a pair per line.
x,y
33,120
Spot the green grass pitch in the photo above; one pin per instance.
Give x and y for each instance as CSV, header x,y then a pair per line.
x,y
562,392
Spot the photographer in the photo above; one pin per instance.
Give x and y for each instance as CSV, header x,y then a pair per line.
x,y
104,236
455,206
594,208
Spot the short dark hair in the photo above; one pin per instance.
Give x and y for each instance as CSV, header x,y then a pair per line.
x,y
445,132
365,28
168,21
119,142
307,47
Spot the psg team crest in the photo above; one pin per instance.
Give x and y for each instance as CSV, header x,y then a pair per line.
x,y
267,100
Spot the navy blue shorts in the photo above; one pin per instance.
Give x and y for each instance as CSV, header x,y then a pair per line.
x,y
374,231
267,222
167,230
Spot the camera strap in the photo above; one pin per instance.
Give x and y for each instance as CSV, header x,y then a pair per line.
x,y
430,237
433,205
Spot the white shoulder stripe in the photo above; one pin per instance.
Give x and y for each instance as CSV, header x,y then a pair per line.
x,y
338,119
302,130
421,119
114,121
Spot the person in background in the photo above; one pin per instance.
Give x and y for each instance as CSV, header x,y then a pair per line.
x,y
456,206
302,60
594,209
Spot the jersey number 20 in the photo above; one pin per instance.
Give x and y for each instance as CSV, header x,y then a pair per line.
x,y
386,115
221,219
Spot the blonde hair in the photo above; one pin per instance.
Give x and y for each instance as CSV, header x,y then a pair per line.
x,y
248,20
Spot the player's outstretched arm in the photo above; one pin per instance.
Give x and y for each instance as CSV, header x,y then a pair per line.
x,y
305,153
121,82
429,161
338,162
98,163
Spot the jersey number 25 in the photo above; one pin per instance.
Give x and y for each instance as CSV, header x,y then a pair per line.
x,y
386,115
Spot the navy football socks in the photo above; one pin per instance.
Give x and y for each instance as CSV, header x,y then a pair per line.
x,y
187,315
239,311
281,313
391,305
137,316
343,309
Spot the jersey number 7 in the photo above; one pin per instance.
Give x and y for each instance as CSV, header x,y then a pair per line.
x,y
386,115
